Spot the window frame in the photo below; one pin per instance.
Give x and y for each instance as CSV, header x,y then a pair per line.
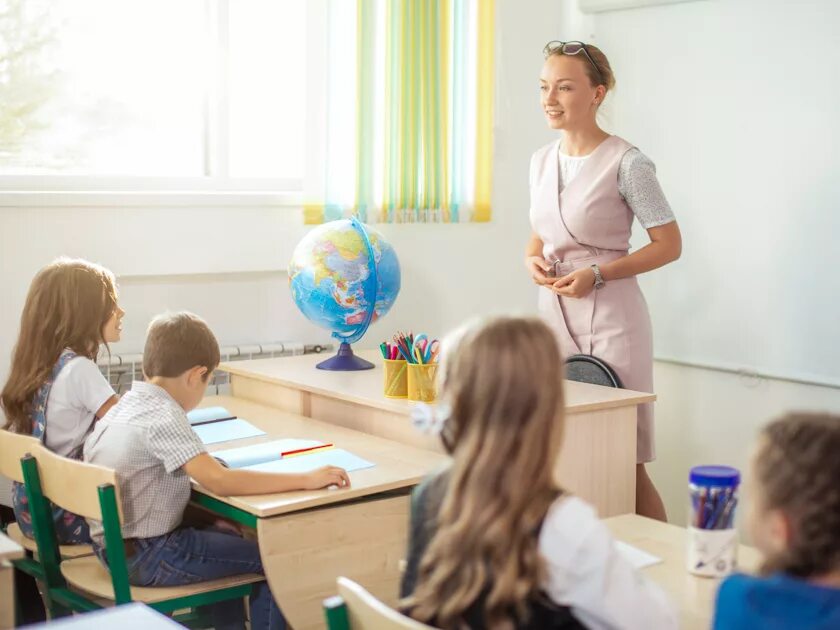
x,y
215,187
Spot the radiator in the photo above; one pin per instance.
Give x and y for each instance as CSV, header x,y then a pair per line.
x,y
122,369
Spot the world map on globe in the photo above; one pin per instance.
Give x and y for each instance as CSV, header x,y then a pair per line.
x,y
333,282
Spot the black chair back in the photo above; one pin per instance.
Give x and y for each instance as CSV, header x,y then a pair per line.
x,y
584,368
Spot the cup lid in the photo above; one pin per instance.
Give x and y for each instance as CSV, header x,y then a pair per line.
x,y
715,476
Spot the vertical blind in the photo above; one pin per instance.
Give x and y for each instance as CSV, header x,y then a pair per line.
x,y
409,112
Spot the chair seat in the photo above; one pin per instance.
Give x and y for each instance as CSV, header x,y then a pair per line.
x,y
66,551
89,576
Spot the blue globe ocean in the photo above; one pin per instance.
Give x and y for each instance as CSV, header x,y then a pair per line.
x,y
343,276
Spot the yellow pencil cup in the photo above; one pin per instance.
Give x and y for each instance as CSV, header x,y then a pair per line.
x,y
422,383
396,379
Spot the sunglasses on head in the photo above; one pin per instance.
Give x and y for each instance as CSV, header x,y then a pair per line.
x,y
571,48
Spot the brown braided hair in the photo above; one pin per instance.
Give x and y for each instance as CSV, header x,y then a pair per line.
x,y
797,470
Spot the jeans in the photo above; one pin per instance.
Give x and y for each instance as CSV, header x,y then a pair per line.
x,y
187,556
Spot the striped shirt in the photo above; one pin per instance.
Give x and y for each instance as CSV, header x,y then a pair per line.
x,y
147,439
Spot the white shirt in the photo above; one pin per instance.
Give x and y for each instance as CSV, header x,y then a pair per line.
x,y
77,393
587,573
570,166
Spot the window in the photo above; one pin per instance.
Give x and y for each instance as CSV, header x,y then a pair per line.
x,y
117,95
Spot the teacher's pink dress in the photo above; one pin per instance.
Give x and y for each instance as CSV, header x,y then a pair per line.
x,y
589,222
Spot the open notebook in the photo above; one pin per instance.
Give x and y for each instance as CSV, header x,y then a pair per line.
x,y
290,456
217,424
637,557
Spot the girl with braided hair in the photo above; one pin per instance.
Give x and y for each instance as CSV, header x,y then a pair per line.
x,y
794,520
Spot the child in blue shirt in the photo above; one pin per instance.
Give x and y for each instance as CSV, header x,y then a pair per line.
x,y
795,522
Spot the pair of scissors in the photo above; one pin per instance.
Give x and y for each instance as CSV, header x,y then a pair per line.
x,y
425,350
432,352
418,347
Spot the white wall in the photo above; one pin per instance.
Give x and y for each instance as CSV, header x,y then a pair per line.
x,y
712,417
742,127
227,263
718,75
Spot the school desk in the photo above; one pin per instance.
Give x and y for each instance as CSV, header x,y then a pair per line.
x,y
9,550
309,538
597,461
694,596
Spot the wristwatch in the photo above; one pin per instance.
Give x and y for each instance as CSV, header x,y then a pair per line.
x,y
599,279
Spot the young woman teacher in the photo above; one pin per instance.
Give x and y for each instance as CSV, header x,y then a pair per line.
x,y
586,188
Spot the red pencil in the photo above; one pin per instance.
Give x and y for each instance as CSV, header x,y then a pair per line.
x,y
300,451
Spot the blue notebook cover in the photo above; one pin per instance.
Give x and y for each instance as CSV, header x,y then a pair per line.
x,y
236,429
209,414
260,453
307,463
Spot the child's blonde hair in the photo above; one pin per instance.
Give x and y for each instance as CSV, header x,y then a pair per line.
x,y
68,304
797,469
502,381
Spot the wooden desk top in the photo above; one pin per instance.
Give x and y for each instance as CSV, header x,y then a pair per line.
x,y
365,387
9,549
693,595
397,465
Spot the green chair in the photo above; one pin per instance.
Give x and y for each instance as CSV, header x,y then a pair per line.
x,y
13,447
83,584
356,609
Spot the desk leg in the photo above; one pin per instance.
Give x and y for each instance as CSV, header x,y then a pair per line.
x,y
7,595
598,459
303,553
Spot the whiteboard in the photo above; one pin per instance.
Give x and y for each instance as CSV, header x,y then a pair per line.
x,y
596,6
738,104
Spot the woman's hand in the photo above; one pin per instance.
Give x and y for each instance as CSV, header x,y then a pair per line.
x,y
538,268
577,284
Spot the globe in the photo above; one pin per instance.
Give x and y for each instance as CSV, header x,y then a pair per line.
x,y
343,276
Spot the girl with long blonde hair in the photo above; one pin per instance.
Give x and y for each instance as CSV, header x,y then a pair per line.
x,y
495,541
55,391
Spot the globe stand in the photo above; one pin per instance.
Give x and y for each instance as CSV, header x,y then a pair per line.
x,y
345,361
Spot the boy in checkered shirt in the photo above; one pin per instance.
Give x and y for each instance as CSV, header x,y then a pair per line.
x,y
147,438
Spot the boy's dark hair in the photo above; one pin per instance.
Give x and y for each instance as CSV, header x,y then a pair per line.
x,y
798,472
176,342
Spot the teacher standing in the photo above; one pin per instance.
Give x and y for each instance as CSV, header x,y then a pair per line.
x,y
586,188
